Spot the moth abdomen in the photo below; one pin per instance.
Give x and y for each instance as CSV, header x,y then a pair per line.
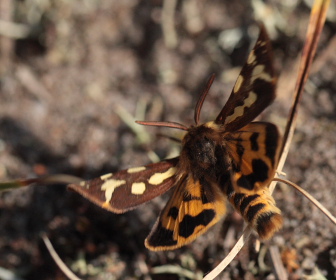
x,y
268,223
260,211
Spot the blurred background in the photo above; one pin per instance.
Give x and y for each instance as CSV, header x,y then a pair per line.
x,y
75,74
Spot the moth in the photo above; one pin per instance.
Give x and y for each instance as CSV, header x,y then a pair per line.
x,y
230,158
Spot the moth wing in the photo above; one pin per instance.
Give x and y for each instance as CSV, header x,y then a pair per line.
x,y
254,150
127,189
193,208
254,89
255,153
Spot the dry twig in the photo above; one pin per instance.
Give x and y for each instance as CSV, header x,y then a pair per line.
x,y
279,268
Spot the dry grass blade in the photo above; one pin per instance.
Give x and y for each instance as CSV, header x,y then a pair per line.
x,y
177,270
310,197
142,135
58,260
232,254
52,179
316,22
6,274
13,30
168,23
279,268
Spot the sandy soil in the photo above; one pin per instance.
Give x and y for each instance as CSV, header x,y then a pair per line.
x,y
72,72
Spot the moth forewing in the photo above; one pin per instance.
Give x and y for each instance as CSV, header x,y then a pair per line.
x,y
124,190
254,89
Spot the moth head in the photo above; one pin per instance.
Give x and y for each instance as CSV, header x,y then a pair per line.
x,y
199,147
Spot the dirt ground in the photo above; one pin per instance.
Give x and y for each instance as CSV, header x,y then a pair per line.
x,y
74,75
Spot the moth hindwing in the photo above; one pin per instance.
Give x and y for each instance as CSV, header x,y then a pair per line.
x,y
231,157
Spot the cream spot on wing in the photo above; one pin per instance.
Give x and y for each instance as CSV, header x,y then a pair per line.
x,y
136,169
158,178
259,73
239,110
261,43
251,59
138,188
258,70
82,184
106,176
109,186
238,83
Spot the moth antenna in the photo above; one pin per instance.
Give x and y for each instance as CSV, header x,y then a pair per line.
x,y
202,98
165,124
